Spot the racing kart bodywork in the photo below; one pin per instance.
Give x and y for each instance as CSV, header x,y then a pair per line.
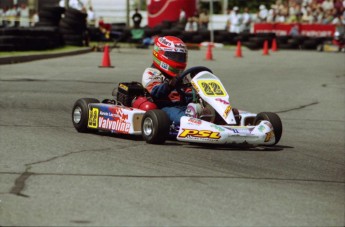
x,y
335,45
214,120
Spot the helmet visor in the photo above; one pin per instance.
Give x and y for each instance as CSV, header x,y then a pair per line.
x,y
176,56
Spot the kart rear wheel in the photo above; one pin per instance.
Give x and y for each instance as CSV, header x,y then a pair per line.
x,y
155,126
80,114
274,119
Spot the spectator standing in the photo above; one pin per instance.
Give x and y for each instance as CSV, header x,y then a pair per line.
x,y
191,25
280,18
11,15
307,18
182,17
105,28
319,15
91,16
327,5
262,14
246,20
76,4
329,17
136,18
34,19
235,20
203,20
272,13
24,15
294,30
16,12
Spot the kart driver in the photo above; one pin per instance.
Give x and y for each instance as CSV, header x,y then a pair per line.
x,y
169,60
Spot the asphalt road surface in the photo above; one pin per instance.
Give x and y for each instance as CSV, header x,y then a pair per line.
x,y
50,175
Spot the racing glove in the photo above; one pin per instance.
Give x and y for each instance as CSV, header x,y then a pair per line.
x,y
172,82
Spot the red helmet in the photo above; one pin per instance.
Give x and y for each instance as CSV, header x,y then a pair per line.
x,y
170,55
144,104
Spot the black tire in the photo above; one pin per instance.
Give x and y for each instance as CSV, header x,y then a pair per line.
x,y
155,126
252,45
75,14
275,121
80,114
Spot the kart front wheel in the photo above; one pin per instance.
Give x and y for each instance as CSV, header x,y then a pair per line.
x,y
155,126
274,119
80,114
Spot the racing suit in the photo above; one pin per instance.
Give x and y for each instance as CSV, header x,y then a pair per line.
x,y
165,97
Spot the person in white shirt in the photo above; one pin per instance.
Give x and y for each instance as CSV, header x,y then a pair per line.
x,y
191,25
246,20
24,15
235,20
327,5
263,13
91,16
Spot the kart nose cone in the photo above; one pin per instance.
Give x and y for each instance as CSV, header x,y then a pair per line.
x,y
77,115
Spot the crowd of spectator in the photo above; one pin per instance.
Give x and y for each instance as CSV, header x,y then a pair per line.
x,y
238,19
292,11
15,16
303,11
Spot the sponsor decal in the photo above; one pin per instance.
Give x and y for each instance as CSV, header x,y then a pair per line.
x,y
212,88
222,101
195,121
164,65
234,130
194,86
187,133
102,113
219,128
164,41
269,136
261,128
111,118
118,125
227,111
117,113
124,87
180,45
93,117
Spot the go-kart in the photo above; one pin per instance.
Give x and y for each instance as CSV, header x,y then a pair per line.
x,y
335,45
210,118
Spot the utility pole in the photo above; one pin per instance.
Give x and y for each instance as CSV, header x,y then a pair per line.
x,y
127,16
211,21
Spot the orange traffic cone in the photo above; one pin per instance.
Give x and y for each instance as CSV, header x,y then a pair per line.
x,y
238,53
209,55
106,58
274,45
265,50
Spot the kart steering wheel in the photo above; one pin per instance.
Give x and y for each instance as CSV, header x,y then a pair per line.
x,y
192,71
179,79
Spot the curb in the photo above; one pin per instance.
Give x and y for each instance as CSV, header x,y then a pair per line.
x,y
26,58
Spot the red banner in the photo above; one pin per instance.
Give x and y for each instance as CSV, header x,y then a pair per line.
x,y
315,30
168,10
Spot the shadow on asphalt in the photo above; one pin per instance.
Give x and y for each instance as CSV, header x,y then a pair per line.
x,y
230,147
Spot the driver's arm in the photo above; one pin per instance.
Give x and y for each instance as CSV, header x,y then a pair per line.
x,y
155,83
